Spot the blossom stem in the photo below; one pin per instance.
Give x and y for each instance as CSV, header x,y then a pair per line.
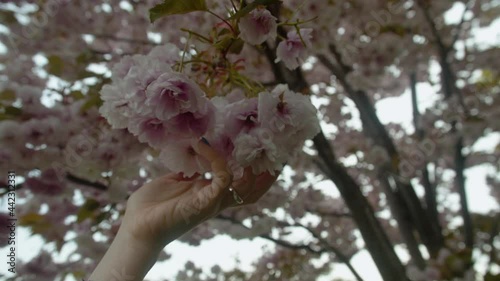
x,y
297,22
224,20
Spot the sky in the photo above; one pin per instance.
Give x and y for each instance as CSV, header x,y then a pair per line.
x,y
229,251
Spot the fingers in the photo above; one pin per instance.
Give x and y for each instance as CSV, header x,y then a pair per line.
x,y
263,183
250,187
246,184
266,180
242,186
180,177
217,162
222,177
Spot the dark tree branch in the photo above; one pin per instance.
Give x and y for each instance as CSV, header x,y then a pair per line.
x,y
376,239
374,129
373,234
430,189
71,178
460,181
491,241
372,126
80,181
282,243
332,214
343,258
126,40
430,236
447,77
414,102
404,220
431,202
460,25
448,83
435,33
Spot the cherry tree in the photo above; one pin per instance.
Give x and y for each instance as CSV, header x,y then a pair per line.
x,y
98,97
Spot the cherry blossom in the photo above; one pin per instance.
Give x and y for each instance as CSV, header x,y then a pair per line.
x,y
258,26
95,100
293,51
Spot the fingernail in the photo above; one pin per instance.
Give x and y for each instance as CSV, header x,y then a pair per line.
x,y
204,140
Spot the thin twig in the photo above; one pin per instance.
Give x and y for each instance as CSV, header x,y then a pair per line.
x,y
127,40
334,250
282,243
458,29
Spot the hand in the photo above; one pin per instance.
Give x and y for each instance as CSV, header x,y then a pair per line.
x,y
167,207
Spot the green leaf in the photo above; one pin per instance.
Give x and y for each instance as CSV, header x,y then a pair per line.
x,y
491,277
94,100
55,65
394,28
7,17
252,6
236,46
223,43
7,95
174,7
77,95
87,210
38,223
86,74
230,45
4,117
13,111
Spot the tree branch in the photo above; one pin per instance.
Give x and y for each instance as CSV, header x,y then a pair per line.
x,y
491,241
282,243
404,220
448,82
74,179
343,258
430,189
376,239
458,29
71,178
460,181
126,40
374,129
447,77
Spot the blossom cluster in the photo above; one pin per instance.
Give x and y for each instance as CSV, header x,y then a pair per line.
x,y
169,111
260,25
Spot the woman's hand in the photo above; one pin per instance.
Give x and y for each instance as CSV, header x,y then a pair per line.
x,y
169,206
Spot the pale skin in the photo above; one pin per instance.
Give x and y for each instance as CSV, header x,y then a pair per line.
x,y
169,206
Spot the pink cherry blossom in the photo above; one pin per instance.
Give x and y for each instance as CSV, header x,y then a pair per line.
x,y
47,184
293,50
55,57
191,124
256,149
116,106
121,69
181,157
167,53
257,26
172,94
290,116
241,116
149,130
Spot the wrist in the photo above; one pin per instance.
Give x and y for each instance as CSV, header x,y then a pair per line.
x,y
126,259
144,248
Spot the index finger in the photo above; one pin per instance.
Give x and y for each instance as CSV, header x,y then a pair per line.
x,y
222,177
217,162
